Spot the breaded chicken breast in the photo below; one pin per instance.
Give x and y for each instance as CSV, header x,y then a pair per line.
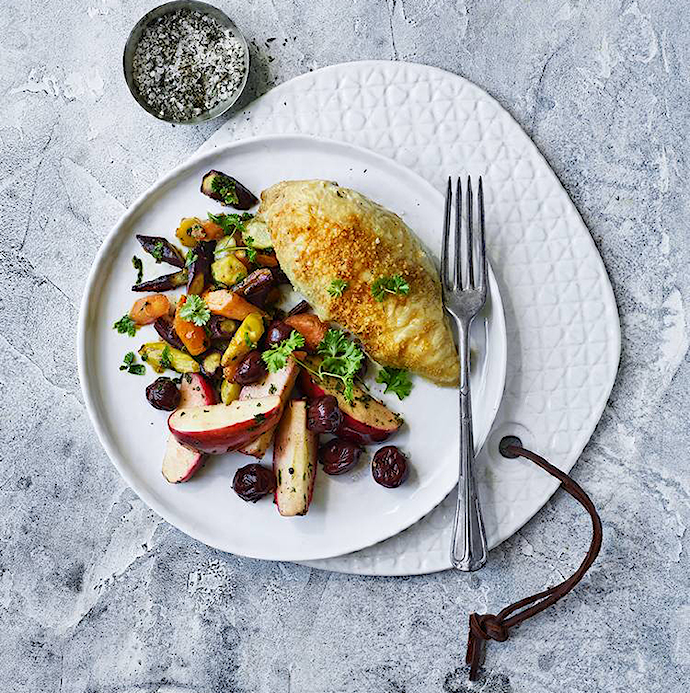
x,y
323,232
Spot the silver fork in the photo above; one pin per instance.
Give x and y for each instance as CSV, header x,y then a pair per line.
x,y
464,295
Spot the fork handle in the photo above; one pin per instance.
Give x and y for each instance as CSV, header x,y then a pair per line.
x,y
468,547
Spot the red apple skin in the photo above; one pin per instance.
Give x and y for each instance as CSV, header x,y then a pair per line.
x,y
364,425
294,461
228,427
179,462
279,383
195,390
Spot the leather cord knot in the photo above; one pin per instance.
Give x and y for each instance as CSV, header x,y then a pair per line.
x,y
486,627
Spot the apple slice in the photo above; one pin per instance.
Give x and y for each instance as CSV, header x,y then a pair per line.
x,y
179,462
219,428
257,448
196,390
365,421
279,383
294,461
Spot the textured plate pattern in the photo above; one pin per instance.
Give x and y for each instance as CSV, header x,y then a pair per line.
x,y
562,321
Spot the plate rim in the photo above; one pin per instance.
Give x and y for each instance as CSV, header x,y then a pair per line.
x,y
82,351
412,559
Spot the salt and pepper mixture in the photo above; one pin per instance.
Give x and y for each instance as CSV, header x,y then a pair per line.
x,y
186,63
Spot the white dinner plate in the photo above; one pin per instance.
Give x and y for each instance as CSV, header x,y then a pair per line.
x,y
347,513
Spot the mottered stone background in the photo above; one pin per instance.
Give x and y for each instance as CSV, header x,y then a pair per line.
x,y
98,595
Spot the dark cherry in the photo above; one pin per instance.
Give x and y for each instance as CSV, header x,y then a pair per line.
x,y
163,394
253,481
251,369
389,467
339,456
277,331
324,415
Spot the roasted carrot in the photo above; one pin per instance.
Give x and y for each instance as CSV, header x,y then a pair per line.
x,y
193,336
212,230
149,308
229,304
266,260
310,327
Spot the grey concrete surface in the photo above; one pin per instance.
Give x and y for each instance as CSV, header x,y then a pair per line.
x,y
98,595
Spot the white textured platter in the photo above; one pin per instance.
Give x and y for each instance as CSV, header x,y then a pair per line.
x,y
347,513
561,316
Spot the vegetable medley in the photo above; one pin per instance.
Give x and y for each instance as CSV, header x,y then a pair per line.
x,y
239,360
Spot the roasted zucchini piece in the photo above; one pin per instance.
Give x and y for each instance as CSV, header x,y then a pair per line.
x,y
257,231
153,353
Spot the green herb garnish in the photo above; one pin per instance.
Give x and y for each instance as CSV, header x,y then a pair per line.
x,y
165,357
396,380
190,258
226,188
131,367
342,359
276,357
157,251
195,310
390,285
251,251
231,222
248,341
139,267
125,325
337,288
259,417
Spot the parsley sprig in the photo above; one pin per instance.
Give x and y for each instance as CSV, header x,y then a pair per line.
x,y
396,380
394,284
342,359
139,267
226,188
157,251
276,357
251,252
131,367
125,325
337,287
195,310
231,222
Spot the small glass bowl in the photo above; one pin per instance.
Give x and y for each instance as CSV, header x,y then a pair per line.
x,y
202,8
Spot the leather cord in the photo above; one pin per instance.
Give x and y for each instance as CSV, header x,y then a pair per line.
x,y
497,627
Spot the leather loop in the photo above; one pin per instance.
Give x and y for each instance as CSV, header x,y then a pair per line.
x,y
488,627
497,627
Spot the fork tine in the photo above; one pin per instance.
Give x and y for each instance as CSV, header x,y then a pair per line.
x,y
481,252
469,241
445,271
458,232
